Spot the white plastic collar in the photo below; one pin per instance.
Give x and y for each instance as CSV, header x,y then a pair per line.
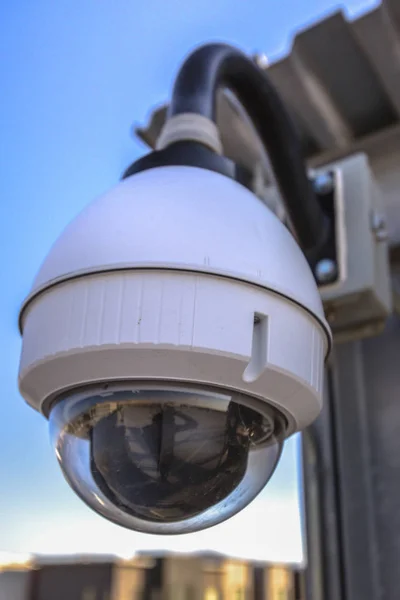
x,y
190,127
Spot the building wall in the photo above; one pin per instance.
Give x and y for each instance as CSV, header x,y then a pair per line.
x,y
71,582
128,582
280,583
238,580
154,578
14,585
212,574
182,579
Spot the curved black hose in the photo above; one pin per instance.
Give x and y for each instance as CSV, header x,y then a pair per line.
x,y
216,66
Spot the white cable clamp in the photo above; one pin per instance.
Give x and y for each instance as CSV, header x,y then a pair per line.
x,y
190,127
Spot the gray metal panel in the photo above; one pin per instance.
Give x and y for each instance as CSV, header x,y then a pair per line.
x,y
352,458
381,371
320,510
357,509
330,53
377,34
319,123
346,76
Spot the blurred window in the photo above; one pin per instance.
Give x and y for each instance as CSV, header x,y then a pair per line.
x,y
89,593
211,593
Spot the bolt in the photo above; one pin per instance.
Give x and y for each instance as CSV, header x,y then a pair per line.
x,y
261,60
326,270
330,315
323,183
378,226
382,236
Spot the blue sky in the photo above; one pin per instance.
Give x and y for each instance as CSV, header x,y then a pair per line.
x,y
75,75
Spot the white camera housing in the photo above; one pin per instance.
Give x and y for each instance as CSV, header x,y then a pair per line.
x,y
178,275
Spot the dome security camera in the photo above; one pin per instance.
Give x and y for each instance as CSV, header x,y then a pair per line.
x,y
174,337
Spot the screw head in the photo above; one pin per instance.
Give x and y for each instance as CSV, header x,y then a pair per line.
x,y
326,270
379,226
382,235
261,60
330,315
323,183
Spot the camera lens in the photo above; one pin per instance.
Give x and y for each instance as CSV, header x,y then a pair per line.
x,y
165,460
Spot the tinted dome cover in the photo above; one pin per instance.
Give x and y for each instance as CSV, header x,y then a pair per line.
x,y
166,460
171,462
